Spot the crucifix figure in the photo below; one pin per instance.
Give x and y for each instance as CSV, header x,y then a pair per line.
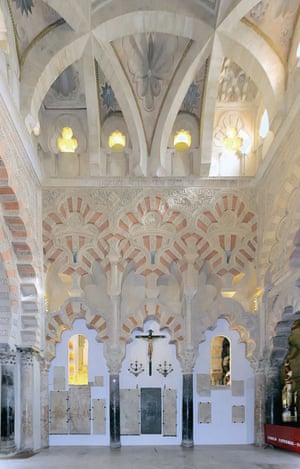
x,y
150,337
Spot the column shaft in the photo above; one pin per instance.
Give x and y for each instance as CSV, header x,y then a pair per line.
x,y
259,407
7,443
187,411
45,405
273,397
26,436
114,411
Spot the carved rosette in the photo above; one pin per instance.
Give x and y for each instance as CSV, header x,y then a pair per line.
x,y
151,68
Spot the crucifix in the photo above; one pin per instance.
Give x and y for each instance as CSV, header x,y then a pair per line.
x,y
150,337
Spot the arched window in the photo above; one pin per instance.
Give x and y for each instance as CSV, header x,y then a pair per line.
x,y
78,359
264,125
220,361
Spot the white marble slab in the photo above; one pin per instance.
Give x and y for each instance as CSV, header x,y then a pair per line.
x,y
238,414
79,413
204,412
237,388
58,413
98,416
59,378
169,412
130,411
203,385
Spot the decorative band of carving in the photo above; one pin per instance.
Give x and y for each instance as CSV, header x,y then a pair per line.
x,y
8,359
27,355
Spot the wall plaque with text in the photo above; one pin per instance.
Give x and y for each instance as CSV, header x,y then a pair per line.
x,y
151,411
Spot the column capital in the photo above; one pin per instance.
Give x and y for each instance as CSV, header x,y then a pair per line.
x,y
45,365
260,366
114,357
27,355
7,356
187,360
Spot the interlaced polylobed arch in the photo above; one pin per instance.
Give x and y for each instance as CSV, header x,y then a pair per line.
x,y
58,322
18,257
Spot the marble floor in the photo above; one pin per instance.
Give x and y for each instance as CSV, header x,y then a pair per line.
x,y
156,457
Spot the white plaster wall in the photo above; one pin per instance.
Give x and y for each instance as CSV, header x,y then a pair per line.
x,y
221,430
136,350
97,367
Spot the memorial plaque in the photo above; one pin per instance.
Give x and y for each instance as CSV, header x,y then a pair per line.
x,y
98,407
238,414
204,412
203,385
58,412
151,411
170,412
129,411
237,388
79,403
59,380
99,381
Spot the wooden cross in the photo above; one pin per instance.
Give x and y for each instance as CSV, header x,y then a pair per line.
x,y
150,337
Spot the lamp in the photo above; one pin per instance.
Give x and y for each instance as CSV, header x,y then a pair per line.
x,y
228,293
136,368
182,140
116,141
232,141
67,143
165,368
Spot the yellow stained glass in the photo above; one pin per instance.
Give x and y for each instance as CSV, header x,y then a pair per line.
x,y
78,360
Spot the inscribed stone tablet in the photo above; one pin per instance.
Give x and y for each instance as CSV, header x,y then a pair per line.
x,y
79,404
203,385
238,414
59,379
151,411
237,388
204,412
129,411
58,412
169,412
98,408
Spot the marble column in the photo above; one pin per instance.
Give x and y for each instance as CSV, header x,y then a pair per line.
x,y
187,411
44,404
27,397
114,353
273,396
7,397
114,411
260,399
188,358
